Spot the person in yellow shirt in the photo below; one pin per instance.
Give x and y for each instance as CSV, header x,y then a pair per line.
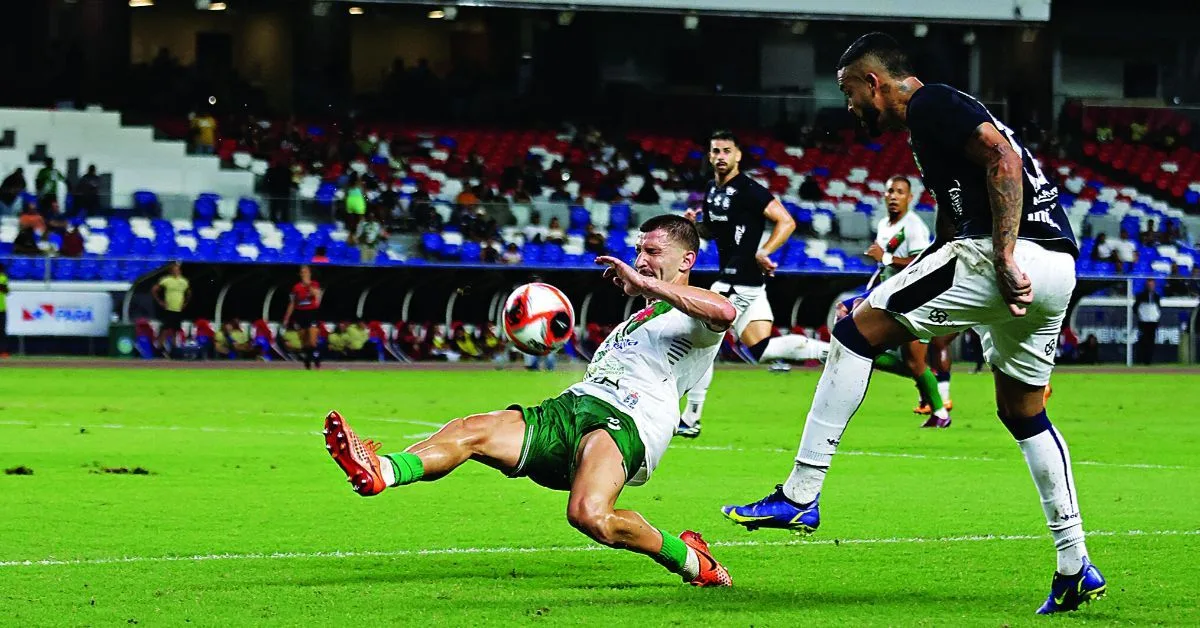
x,y
172,294
204,130
356,339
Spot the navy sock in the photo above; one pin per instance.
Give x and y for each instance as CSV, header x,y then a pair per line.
x,y
846,331
1025,428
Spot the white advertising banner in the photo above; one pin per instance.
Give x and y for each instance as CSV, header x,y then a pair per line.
x,y
994,10
59,313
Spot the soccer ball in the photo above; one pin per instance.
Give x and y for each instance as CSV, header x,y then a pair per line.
x,y
538,318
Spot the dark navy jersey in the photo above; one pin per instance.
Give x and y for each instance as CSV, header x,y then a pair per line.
x,y
733,214
940,121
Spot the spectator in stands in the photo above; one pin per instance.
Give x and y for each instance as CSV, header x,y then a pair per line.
x,y
47,181
520,194
555,233
1089,350
560,194
410,340
56,220
593,241
1126,249
1150,235
337,341
204,134
492,344
234,341
11,190
1177,283
1174,234
172,294
30,218
370,236
648,195
291,339
26,242
320,256
1067,350
490,252
535,232
608,190
87,192
356,206
356,336
512,254
465,344
278,183
467,199
810,189
72,244
1102,251
1146,308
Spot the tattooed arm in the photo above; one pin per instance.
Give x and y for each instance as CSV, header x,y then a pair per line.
x,y
988,148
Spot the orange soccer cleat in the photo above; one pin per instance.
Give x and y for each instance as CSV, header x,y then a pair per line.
x,y
923,408
356,457
712,574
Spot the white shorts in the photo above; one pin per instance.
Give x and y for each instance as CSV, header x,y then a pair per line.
x,y
750,302
954,288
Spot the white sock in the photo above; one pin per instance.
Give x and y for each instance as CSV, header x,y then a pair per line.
x,y
691,567
941,413
795,347
387,471
840,391
1050,465
695,399
944,390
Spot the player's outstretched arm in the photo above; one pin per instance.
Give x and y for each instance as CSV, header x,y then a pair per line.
x,y
988,148
709,307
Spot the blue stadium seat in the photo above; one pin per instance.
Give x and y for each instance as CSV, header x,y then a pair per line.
x,y
470,252
579,218
65,269
145,203
247,209
553,254
432,244
618,217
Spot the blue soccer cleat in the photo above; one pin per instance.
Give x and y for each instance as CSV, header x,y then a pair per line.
x,y
777,511
1068,592
683,430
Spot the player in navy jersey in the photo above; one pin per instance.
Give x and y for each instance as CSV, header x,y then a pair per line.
x,y
735,215
1004,263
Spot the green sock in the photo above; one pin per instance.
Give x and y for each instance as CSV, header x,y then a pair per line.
x,y
673,554
408,468
889,363
927,384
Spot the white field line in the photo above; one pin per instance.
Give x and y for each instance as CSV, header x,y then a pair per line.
x,y
446,551
884,454
727,448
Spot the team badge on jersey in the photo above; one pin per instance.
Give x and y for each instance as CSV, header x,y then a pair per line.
x,y
630,400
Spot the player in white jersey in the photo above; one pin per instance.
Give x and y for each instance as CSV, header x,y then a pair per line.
x,y
900,237
601,434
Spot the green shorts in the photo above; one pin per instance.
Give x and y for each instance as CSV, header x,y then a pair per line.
x,y
554,429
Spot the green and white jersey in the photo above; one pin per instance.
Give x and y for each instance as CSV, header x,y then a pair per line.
x,y
645,366
907,237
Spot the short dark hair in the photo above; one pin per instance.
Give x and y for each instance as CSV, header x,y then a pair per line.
x,y
724,135
900,177
680,229
883,48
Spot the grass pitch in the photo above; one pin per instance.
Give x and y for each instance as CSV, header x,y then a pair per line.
x,y
242,519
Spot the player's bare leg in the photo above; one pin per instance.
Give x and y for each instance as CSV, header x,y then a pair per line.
x,y
599,478
1021,407
494,438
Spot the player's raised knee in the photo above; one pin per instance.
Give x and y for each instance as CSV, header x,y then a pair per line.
x,y
600,524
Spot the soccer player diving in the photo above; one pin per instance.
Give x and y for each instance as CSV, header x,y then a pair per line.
x,y
601,434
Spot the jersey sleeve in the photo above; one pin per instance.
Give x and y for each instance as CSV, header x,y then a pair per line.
x,y
919,239
759,195
943,116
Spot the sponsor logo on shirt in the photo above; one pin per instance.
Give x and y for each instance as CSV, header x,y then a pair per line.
x,y
630,400
1042,216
